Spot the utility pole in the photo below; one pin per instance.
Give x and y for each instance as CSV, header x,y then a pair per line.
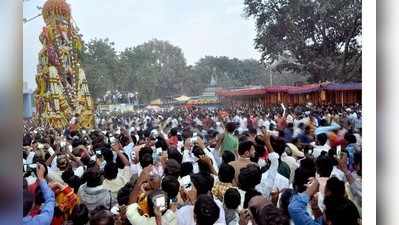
x,y
26,20
30,19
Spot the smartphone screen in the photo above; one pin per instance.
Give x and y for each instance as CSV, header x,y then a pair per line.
x,y
115,210
160,202
186,183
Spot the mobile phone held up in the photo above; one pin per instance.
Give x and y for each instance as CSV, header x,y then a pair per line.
x,y
30,170
115,210
159,201
186,183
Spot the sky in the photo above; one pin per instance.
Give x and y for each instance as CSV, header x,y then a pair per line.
x,y
198,27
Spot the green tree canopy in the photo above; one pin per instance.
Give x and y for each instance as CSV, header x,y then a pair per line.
x,y
321,37
155,68
100,63
229,72
158,69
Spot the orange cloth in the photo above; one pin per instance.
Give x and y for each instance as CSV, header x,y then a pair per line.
x,y
332,137
223,114
66,200
336,140
143,204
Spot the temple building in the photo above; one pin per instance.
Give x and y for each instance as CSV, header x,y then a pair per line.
x,y
208,98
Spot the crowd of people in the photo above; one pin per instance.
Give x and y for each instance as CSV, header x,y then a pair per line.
x,y
117,97
275,165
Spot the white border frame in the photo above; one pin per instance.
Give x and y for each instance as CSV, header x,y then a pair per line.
x,y
369,112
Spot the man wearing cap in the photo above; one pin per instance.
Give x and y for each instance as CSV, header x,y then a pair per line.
x,y
290,156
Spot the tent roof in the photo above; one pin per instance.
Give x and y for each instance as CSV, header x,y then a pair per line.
x,y
153,107
278,88
343,86
156,102
242,92
305,89
202,101
182,98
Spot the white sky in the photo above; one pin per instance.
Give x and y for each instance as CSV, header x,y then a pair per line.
x,y
198,27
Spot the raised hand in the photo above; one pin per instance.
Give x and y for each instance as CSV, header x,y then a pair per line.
x,y
312,187
245,216
40,171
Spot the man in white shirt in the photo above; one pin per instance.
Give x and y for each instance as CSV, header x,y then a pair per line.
x,y
271,179
260,122
236,119
188,156
266,124
288,157
115,179
200,184
338,173
243,125
321,145
63,164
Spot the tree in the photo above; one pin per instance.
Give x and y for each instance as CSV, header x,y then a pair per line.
x,y
100,61
228,72
155,68
321,37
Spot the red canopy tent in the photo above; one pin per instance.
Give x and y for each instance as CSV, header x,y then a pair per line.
x,y
327,93
304,94
241,92
343,93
